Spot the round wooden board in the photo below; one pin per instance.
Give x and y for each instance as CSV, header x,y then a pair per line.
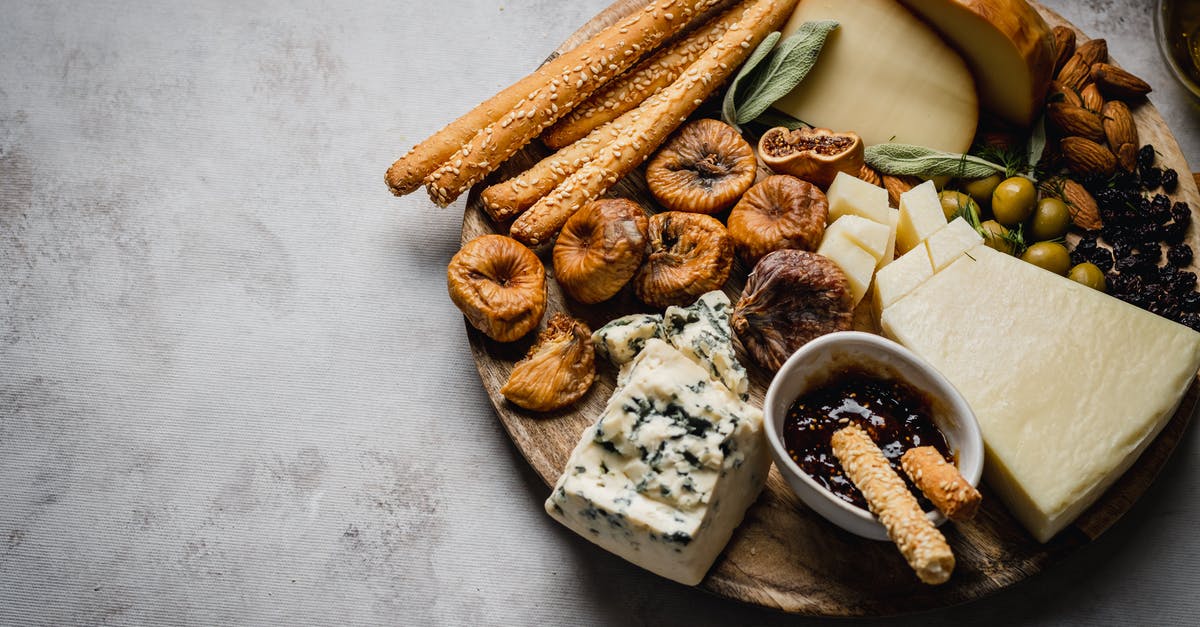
x,y
785,556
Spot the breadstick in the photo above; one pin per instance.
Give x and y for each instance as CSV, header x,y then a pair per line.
x,y
659,116
888,497
941,483
575,76
645,80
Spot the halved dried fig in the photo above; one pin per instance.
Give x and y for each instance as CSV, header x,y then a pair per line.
x,y
558,370
689,254
499,285
779,212
791,298
813,154
600,249
704,168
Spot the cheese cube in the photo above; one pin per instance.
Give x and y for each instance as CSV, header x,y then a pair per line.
x,y
668,470
870,236
921,215
889,253
848,195
1063,413
857,264
951,242
895,280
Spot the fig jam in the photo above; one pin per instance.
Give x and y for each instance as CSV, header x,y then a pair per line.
x,y
896,416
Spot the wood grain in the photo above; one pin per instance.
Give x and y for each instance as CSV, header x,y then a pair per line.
x,y
785,556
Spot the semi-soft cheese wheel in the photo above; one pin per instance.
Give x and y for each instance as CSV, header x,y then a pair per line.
x,y
1007,45
885,75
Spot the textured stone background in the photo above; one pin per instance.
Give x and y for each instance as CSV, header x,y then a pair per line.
x,y
232,389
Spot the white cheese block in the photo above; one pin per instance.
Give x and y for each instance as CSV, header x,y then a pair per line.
x,y
889,253
870,236
1069,384
701,332
885,75
902,276
950,242
857,264
668,470
921,215
849,195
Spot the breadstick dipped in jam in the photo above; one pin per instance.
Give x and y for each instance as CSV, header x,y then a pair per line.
x,y
888,497
633,87
941,483
582,71
658,117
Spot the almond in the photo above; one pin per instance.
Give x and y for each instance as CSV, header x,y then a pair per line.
x,y
897,185
1064,46
1092,100
1119,127
1075,72
1072,120
1062,93
1083,156
1117,83
1093,51
1127,156
868,174
1084,211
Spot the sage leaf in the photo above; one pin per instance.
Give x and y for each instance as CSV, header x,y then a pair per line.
x,y
728,105
772,118
910,160
1037,142
787,65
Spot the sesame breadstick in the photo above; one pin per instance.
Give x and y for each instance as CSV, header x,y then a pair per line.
x,y
659,116
645,80
888,497
941,482
574,77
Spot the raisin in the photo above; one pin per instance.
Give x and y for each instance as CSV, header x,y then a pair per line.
x,y
1170,180
1190,302
1180,255
1145,157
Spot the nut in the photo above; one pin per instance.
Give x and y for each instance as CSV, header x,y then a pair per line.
x,y
1083,156
1064,46
557,371
1093,51
1119,127
897,185
1072,120
791,298
1127,156
779,212
1084,211
689,254
815,155
499,285
704,168
1074,73
600,249
1061,93
1117,83
1091,98
868,174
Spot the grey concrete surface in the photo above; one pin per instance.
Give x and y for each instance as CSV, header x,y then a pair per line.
x,y
232,388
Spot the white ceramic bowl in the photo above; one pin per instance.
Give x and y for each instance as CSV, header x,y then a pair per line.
x,y
811,366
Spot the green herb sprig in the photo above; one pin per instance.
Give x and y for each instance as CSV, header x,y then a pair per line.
x,y
910,160
757,85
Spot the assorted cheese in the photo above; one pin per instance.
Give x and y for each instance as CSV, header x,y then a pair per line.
x,y
849,195
1062,413
872,237
701,332
857,264
902,276
921,215
950,242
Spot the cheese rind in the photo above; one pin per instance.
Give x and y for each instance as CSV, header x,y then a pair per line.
x,y
950,242
667,471
921,215
857,264
869,235
886,75
849,195
1074,386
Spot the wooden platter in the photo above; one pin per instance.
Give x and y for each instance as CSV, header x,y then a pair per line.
x,y
785,556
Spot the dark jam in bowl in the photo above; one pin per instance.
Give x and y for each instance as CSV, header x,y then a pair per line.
x,y
896,416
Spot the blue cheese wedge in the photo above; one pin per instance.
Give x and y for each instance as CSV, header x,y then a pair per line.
x,y
701,332
622,339
668,470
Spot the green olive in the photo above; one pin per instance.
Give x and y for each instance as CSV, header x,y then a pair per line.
x,y
994,236
1049,256
1090,275
952,201
981,189
1051,219
1013,200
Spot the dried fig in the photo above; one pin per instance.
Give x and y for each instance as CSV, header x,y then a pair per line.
x,y
779,212
600,249
791,297
704,168
499,285
557,371
815,155
689,254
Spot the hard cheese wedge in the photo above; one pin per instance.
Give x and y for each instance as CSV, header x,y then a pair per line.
x,y
902,276
921,215
889,253
857,264
870,236
852,196
1069,384
950,242
667,471
885,75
